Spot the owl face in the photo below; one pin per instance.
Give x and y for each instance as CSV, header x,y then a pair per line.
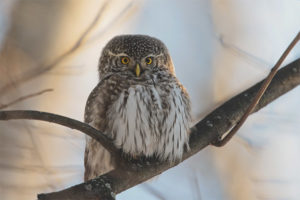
x,y
136,57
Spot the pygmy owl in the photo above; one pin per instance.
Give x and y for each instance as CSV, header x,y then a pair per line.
x,y
138,102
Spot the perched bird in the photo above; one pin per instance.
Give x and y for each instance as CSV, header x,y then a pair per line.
x,y
138,102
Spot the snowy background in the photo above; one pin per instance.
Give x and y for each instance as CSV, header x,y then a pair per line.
x,y
219,48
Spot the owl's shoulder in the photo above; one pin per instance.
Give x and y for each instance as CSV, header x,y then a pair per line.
x,y
96,98
102,96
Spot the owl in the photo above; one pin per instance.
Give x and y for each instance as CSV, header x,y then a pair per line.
x,y
138,103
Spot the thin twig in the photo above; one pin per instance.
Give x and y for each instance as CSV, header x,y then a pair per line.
x,y
266,83
41,69
114,21
65,121
24,98
79,41
253,60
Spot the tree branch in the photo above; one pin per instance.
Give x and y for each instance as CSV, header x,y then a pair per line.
x,y
41,69
22,98
64,121
208,130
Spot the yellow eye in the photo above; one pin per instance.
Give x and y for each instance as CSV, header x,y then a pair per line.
x,y
125,60
148,60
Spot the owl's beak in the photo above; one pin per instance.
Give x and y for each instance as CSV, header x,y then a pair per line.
x,y
137,70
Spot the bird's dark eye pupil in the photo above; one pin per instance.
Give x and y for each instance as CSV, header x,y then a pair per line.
x,y
148,61
125,60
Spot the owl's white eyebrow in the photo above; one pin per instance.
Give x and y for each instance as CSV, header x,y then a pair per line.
x,y
154,55
118,54
124,54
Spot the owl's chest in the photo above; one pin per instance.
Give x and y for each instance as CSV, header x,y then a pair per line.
x,y
140,117
139,108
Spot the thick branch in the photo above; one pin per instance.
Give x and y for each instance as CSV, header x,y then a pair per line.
x,y
203,133
65,121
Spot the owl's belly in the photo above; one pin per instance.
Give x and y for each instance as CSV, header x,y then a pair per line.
x,y
144,122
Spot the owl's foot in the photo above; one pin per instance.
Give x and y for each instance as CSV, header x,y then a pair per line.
x,y
137,162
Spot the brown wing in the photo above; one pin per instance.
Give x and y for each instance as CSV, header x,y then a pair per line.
x,y
96,159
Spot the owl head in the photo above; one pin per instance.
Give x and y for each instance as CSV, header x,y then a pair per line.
x,y
136,57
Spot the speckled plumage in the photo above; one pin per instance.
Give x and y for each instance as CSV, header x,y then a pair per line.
x,y
146,115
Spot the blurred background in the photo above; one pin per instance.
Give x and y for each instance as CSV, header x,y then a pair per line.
x,y
219,48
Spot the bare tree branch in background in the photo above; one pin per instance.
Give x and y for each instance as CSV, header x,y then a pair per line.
x,y
129,174
123,14
22,98
41,69
253,60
